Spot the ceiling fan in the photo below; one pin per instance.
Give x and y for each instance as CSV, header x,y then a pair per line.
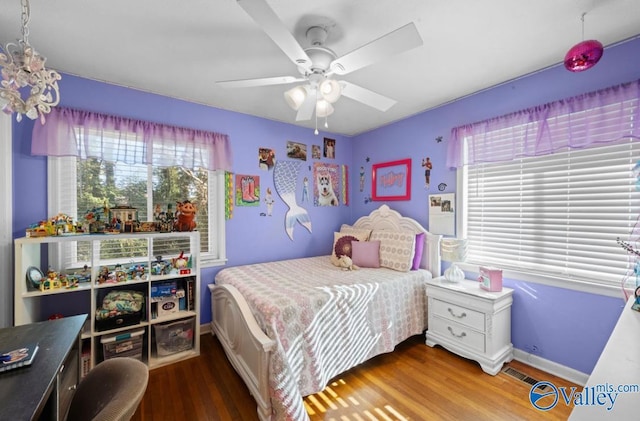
x,y
318,64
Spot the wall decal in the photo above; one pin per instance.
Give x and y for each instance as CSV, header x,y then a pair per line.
x,y
361,178
438,139
326,189
285,179
268,200
305,189
442,186
296,150
428,166
247,190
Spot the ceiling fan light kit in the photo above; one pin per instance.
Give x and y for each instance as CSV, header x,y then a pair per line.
x,y
330,90
295,97
317,64
323,108
583,55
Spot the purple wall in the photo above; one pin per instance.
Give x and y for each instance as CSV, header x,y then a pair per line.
x,y
250,237
564,326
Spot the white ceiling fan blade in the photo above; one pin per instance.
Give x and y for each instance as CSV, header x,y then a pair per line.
x,y
305,112
398,41
366,96
271,24
263,81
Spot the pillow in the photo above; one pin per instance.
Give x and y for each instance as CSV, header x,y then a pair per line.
x,y
366,254
396,248
417,257
342,244
348,229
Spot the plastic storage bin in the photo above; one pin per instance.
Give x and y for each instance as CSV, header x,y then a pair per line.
x,y
174,337
123,344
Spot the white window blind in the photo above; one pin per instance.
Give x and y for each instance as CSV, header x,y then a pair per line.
x,y
558,214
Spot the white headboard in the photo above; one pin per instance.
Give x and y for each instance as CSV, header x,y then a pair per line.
x,y
385,218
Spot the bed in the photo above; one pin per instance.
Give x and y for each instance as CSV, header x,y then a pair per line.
x,y
289,327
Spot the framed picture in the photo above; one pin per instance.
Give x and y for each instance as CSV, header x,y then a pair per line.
x,y
391,180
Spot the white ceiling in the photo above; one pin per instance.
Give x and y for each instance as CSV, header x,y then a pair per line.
x,y
181,48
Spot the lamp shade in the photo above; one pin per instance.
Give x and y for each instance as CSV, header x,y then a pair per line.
x,y
295,96
323,108
583,56
453,249
330,90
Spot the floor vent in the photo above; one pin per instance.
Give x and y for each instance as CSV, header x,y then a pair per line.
x,y
522,377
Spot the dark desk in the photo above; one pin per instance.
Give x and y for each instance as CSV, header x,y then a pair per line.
x,y
26,391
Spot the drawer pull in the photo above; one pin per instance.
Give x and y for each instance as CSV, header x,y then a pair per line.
x,y
74,387
462,335
461,316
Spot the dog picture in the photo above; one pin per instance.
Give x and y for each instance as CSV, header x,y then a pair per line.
x,y
326,195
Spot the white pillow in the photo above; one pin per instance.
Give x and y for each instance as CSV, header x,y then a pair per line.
x,y
396,248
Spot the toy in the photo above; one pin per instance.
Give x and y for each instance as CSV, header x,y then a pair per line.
x,y
346,263
186,213
50,282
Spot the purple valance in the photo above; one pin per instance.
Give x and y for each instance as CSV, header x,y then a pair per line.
x,y
603,116
87,134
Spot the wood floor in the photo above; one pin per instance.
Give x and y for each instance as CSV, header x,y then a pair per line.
x,y
415,382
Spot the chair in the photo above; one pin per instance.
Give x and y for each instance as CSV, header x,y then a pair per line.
x,y
111,391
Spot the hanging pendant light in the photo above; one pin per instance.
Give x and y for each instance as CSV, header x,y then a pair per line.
x,y
23,67
583,55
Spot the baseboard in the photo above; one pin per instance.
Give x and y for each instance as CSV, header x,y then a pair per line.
x,y
205,329
551,367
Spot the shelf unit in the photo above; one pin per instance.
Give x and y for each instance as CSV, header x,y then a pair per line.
x,y
99,251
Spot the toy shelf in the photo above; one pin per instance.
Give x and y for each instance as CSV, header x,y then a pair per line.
x,y
115,262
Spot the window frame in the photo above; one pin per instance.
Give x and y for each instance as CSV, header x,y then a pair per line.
x,y
216,256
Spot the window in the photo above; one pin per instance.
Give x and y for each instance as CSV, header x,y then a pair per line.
x,y
77,185
558,215
547,193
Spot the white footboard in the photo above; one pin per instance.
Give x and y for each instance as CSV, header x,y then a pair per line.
x,y
246,346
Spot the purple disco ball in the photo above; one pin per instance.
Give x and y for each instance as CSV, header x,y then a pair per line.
x,y
583,56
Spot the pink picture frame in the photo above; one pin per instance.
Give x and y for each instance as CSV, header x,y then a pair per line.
x,y
391,180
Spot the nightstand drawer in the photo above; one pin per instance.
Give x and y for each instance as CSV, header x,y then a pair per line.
x,y
465,316
458,333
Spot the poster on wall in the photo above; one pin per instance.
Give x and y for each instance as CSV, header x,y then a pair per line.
x,y
326,188
442,215
391,180
247,190
266,158
296,150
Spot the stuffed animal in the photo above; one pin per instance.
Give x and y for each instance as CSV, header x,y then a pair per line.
x,y
186,213
346,263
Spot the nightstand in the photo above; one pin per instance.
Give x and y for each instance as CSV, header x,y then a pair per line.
x,y
471,322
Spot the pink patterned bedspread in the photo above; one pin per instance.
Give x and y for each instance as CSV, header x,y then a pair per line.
x,y
326,320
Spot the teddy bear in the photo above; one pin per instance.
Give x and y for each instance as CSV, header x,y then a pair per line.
x,y
346,263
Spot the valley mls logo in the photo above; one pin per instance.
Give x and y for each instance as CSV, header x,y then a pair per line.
x,y
543,399
545,395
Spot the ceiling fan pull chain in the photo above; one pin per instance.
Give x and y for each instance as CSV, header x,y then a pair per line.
x,y
315,132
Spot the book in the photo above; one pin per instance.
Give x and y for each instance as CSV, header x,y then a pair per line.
x,y
19,357
190,294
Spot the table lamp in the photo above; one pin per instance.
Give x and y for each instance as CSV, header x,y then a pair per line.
x,y
453,250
